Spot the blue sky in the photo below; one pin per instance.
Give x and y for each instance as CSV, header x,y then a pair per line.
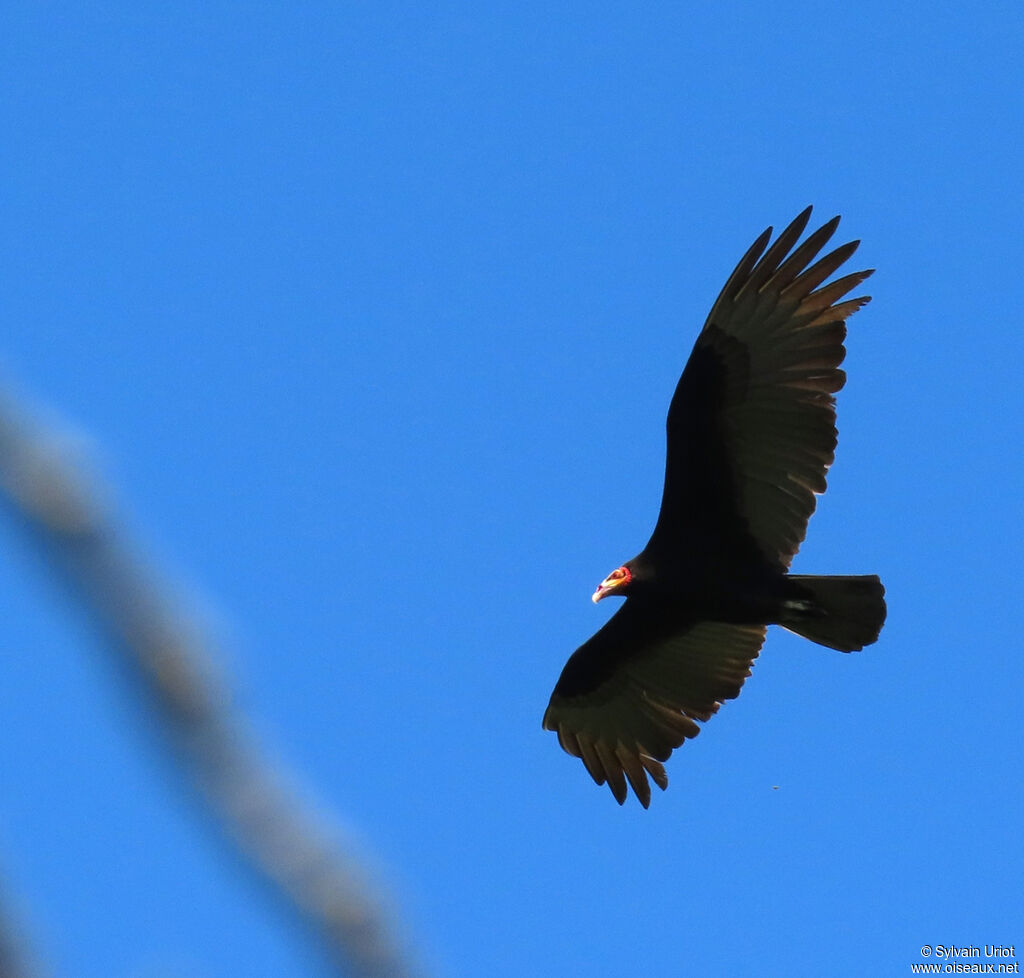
x,y
372,313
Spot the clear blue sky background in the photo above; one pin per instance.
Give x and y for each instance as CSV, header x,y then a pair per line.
x,y
373,312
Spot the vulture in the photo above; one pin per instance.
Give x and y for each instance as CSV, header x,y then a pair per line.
x,y
751,435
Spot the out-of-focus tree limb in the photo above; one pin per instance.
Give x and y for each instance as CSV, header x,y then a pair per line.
x,y
16,959
45,477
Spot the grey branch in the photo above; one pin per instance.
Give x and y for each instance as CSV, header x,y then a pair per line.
x,y
16,957
47,479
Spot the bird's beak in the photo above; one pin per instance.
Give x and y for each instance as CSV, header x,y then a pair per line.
x,y
604,589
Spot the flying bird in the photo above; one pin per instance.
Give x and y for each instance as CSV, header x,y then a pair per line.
x,y
751,435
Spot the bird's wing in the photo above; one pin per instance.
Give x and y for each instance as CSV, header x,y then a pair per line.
x,y
751,427
630,695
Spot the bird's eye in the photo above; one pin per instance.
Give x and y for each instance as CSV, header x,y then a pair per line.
x,y
618,575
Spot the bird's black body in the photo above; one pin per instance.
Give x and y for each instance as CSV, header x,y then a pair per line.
x,y
750,436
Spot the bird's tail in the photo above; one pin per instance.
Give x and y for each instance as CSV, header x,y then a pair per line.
x,y
844,613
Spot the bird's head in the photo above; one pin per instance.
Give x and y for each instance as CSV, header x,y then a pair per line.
x,y
617,582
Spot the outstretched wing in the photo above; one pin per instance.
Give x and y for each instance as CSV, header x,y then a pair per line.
x,y
751,427
630,695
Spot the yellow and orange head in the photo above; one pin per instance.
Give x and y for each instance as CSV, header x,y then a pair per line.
x,y
615,583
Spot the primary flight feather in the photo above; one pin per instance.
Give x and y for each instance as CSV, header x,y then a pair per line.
x,y
751,435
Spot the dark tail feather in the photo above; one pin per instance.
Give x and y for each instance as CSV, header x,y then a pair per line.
x,y
844,613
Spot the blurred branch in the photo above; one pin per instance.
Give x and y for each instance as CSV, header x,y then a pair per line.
x,y
16,960
46,479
